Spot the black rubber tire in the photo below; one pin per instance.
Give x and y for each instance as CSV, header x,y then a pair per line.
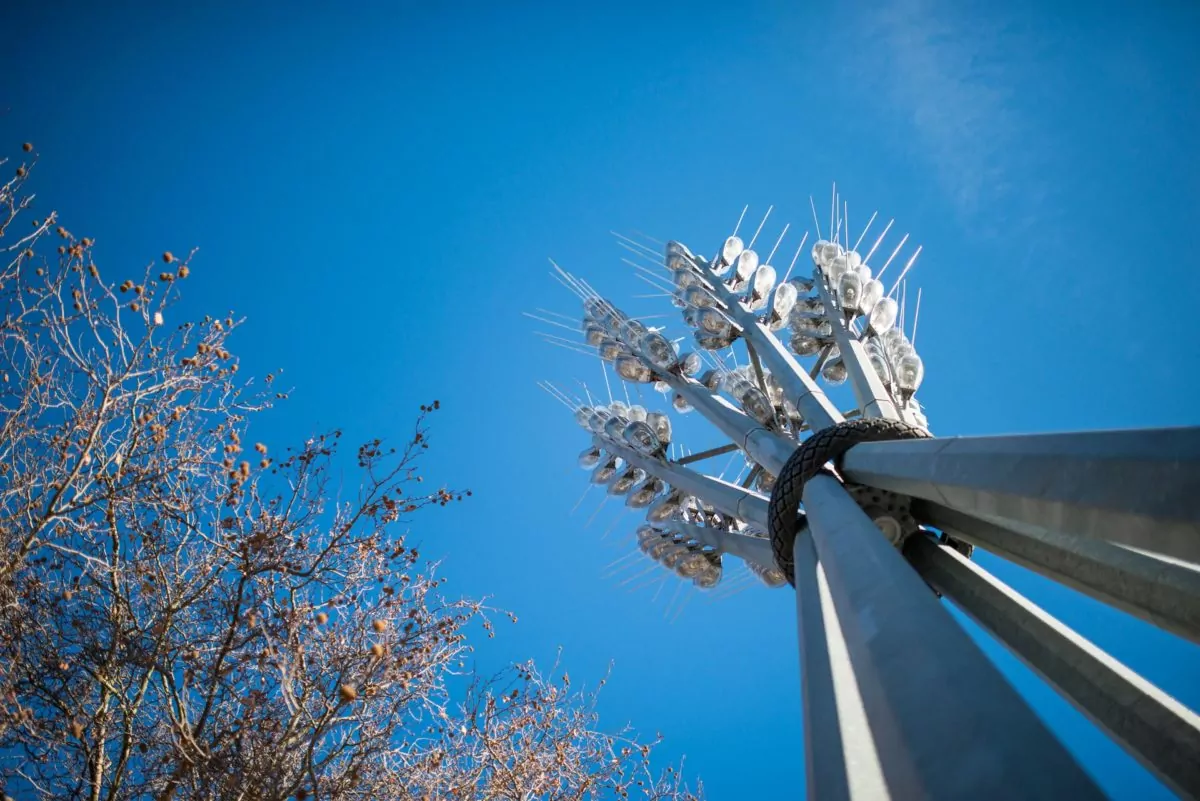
x,y
830,444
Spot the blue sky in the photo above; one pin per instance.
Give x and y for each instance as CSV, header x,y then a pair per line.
x,y
378,191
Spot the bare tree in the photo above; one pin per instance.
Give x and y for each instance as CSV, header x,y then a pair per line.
x,y
187,615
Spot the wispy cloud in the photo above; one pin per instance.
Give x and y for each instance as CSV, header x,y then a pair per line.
x,y
950,73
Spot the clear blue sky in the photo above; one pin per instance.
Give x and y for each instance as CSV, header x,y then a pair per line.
x,y
378,189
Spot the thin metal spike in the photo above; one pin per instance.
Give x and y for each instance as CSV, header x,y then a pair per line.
x,y
648,570
550,393
576,329
833,213
652,239
788,274
907,267
580,351
603,501
738,227
846,223
656,260
864,232
636,244
777,243
760,227
816,223
564,282
916,318
889,261
581,497
878,241
555,314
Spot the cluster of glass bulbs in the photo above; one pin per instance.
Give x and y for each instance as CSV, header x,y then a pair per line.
x,y
687,558
642,354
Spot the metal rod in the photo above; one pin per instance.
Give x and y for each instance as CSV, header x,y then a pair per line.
x,y
1155,728
708,454
1139,488
872,397
1161,593
925,684
840,756
743,546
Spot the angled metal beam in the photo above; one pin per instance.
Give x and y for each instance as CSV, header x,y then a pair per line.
x,y
1162,593
872,397
743,546
797,385
768,448
1139,488
840,757
728,499
943,720
1159,731
720,450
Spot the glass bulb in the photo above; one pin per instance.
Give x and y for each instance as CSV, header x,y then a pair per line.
x,y
614,427
661,424
765,482
714,322
764,279
805,344
853,260
678,248
611,350
835,268
883,315
834,371
711,379
882,369
691,565
710,341
803,285
818,251
631,368
910,371
582,415
637,413
689,364
784,300
758,406
747,263
680,404
658,350
604,471
770,576
589,457
685,277
594,334
810,305
699,297
641,437
665,508
732,248
622,482
708,578
850,291
864,272
662,386
647,532
872,291
808,324
644,494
